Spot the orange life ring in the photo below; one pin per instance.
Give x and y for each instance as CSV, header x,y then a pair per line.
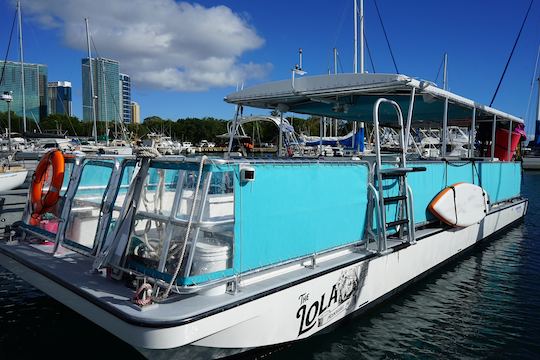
x,y
41,203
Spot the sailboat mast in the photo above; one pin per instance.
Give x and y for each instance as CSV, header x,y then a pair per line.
x,y
537,128
91,81
361,36
355,37
21,55
105,107
445,72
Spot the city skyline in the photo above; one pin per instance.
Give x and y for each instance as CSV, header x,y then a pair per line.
x,y
185,69
35,89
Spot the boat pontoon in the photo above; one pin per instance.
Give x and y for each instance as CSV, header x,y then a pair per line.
x,y
210,257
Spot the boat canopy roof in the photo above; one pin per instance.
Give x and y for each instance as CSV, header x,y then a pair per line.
x,y
352,96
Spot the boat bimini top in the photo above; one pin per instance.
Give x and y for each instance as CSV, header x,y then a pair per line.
x,y
352,96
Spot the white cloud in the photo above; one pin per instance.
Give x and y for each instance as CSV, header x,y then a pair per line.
x,y
160,43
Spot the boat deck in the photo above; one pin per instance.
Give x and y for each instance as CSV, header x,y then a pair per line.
x,y
73,271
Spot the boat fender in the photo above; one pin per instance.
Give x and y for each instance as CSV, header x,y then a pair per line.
x,y
43,202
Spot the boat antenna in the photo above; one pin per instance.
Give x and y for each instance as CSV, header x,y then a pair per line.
x,y
511,53
21,56
7,50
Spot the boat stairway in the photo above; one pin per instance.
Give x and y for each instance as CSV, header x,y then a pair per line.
x,y
384,198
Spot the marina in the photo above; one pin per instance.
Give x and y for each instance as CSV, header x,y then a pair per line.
x,y
349,215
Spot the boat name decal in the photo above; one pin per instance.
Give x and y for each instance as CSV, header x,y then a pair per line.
x,y
341,297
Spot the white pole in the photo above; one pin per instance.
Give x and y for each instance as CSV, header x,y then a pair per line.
x,y
335,61
445,127
508,154
361,36
445,72
280,141
21,54
472,133
355,65
321,120
91,82
493,137
335,72
105,105
538,107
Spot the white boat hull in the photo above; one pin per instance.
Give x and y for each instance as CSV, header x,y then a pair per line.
x,y
291,312
12,180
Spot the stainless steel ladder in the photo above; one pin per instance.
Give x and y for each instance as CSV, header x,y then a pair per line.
x,y
405,213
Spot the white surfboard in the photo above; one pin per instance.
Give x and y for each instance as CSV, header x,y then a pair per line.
x,y
461,204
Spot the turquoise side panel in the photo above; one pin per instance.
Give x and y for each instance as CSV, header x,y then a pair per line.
x,y
295,210
427,184
502,180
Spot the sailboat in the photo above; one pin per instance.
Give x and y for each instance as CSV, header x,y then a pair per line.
x,y
13,176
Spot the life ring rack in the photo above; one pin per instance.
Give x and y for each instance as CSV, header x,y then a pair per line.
x,y
42,203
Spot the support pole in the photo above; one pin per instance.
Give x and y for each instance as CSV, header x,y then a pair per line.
x,y
280,141
472,133
409,117
9,125
493,137
508,155
321,121
445,128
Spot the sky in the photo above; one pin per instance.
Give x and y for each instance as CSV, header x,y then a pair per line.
x,y
185,57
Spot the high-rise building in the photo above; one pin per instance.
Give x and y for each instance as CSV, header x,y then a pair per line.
x,y
35,88
106,90
135,113
59,95
125,95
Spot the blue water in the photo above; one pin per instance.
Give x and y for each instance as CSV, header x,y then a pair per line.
x,y
484,305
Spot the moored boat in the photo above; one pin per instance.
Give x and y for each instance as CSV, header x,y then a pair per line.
x,y
210,257
12,177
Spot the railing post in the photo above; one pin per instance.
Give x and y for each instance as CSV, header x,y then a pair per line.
x,y
472,133
508,152
493,137
445,127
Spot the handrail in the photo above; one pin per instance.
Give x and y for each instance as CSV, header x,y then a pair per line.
x,y
411,229
378,154
188,229
375,194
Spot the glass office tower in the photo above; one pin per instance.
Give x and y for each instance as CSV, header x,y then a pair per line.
x,y
106,90
35,88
